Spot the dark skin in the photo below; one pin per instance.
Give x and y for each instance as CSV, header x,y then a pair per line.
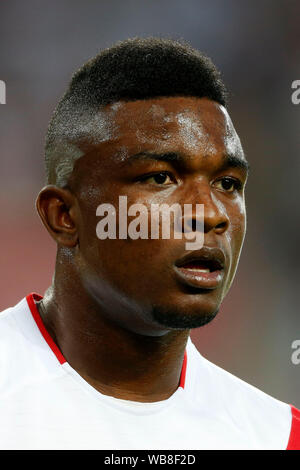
x,y
99,307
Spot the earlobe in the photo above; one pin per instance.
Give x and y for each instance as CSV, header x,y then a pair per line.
x,y
57,210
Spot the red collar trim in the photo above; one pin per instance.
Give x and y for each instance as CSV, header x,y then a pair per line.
x,y
183,371
31,298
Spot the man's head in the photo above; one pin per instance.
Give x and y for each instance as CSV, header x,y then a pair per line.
x,y
146,119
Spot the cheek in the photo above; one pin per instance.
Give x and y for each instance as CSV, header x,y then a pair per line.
x,y
113,257
236,231
235,210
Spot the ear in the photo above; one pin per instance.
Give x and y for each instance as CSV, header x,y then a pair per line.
x,y
58,210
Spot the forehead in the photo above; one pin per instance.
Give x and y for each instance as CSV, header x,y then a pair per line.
x,y
195,128
193,125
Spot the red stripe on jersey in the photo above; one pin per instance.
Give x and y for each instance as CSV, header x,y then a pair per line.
x,y
294,441
183,371
38,320
31,298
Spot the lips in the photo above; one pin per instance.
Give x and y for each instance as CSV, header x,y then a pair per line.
x,y
202,268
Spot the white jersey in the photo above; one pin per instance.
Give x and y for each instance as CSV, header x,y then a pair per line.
x,y
46,404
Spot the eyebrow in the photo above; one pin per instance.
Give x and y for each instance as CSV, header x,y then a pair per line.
x,y
229,160
164,157
233,161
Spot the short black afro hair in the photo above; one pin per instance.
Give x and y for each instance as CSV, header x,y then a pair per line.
x,y
130,70
146,68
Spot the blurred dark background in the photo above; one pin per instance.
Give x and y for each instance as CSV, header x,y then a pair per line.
x,y
256,45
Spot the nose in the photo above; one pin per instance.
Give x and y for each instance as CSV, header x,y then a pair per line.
x,y
213,218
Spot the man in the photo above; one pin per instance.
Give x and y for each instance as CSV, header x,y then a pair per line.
x,y
104,359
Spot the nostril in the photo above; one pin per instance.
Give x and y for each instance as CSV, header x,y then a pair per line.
x,y
194,225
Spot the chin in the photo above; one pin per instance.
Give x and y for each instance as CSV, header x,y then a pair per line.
x,y
180,319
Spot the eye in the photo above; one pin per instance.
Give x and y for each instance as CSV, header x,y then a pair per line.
x,y
163,178
229,184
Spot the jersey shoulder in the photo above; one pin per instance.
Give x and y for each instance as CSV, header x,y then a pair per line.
x,y
24,354
258,414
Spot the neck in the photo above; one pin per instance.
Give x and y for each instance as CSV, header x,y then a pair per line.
x,y
115,361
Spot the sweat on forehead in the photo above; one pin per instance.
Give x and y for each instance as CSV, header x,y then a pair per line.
x,y
192,125
194,122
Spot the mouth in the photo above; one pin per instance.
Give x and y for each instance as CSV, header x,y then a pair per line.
x,y
203,269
